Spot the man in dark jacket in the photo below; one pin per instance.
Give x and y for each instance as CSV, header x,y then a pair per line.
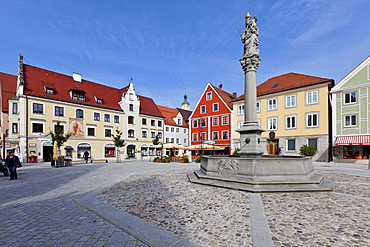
x,y
12,162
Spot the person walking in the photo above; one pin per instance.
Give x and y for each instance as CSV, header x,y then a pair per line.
x,y
86,155
12,162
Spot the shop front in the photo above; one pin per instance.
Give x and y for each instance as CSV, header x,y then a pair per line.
x,y
355,147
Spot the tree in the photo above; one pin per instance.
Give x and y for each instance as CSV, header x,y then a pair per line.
x,y
156,141
118,142
58,136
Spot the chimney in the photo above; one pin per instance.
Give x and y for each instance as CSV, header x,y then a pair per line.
x,y
77,77
235,94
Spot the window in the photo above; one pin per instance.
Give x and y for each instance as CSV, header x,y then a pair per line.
x,y
215,107
172,140
195,137
312,120
107,118
37,128
215,135
159,123
49,91
96,116
107,132
272,123
178,140
203,136
241,109
15,108
167,128
100,101
291,145
225,135
58,111
290,101
172,129
79,113
78,96
179,121
152,122
209,96
312,143
167,140
350,98
38,108
258,106
185,131
312,97
130,119
290,122
203,109
131,133
240,124
131,107
215,121
14,128
152,134
143,121
195,123
272,104
225,120
177,130
144,134
202,122
116,119
90,131
259,122
160,135
350,120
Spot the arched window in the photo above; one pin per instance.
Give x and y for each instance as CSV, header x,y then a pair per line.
x,y
131,120
131,133
79,113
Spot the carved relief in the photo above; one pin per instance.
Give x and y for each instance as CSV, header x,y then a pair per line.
x,y
228,168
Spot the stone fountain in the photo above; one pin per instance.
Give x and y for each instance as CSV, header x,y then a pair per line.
x,y
251,171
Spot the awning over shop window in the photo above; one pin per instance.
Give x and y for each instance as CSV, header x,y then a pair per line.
x,y
353,140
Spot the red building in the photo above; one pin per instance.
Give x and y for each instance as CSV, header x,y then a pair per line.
x,y
210,122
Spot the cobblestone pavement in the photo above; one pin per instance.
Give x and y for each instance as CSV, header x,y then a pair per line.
x,y
38,209
210,216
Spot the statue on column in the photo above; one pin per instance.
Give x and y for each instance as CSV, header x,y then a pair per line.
x,y
250,37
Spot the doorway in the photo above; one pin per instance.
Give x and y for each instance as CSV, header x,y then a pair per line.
x,y
273,146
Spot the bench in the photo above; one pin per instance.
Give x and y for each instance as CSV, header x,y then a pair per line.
x,y
84,161
93,160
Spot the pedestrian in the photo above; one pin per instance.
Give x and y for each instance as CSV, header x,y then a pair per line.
x,y
12,162
86,155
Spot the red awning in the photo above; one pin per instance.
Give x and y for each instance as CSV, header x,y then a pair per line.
x,y
353,140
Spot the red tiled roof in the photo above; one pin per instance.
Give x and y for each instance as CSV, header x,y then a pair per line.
x,y
285,82
169,114
227,97
8,86
36,79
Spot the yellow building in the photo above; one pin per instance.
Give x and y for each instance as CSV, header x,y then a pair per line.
x,y
294,110
91,112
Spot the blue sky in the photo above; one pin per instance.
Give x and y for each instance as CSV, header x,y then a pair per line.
x,y
171,45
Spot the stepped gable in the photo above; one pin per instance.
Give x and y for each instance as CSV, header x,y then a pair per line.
x,y
285,82
8,86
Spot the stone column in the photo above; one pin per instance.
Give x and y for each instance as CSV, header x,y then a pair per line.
x,y
250,132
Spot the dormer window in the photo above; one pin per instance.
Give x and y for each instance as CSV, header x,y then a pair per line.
x,y
77,94
99,101
50,91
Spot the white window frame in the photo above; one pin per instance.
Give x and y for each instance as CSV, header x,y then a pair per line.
x,y
209,96
111,132
83,113
273,106
215,121
350,98
37,113
152,134
350,120
241,109
258,106
227,133
270,123
94,117
38,122
213,107
287,145
292,119
203,109
116,117
106,117
317,119
291,101
215,132
91,127
240,124
54,111
225,122
16,110
310,97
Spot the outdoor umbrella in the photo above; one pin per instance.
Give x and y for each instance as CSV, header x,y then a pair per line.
x,y
169,146
203,147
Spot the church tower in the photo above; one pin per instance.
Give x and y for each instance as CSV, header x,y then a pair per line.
x,y
185,105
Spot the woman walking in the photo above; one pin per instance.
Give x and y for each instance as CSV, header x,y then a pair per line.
x,y
12,162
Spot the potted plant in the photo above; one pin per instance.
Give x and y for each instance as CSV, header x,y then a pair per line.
x,y
198,160
184,160
307,150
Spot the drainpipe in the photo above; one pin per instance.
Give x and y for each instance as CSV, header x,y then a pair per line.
x,y
27,128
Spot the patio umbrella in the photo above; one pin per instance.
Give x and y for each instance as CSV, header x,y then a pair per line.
x,y
203,147
55,151
170,146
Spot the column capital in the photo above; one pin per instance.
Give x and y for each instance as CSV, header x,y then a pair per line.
x,y
250,63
